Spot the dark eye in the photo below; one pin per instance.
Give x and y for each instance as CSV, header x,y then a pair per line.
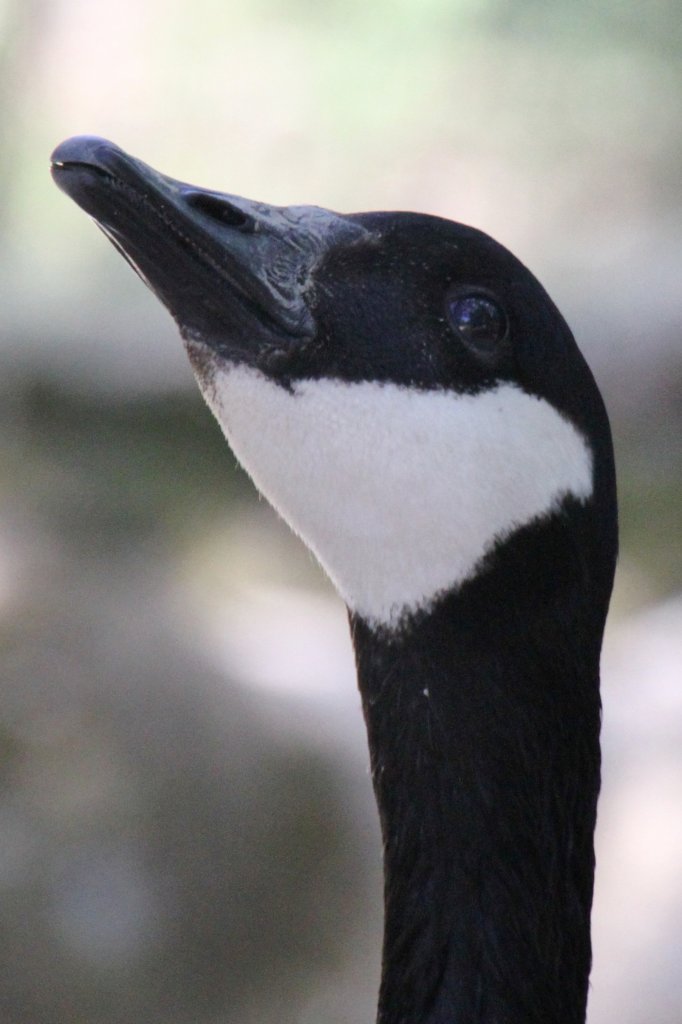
x,y
480,322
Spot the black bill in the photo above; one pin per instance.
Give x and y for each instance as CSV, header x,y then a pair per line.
x,y
232,272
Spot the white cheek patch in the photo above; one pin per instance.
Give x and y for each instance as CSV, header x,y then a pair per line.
x,y
399,493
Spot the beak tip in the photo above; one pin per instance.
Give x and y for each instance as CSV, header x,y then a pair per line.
x,y
81,149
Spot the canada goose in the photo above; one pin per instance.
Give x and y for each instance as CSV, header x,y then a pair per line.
x,y
407,396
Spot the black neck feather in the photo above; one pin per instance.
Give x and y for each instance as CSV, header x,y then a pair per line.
x,y
483,722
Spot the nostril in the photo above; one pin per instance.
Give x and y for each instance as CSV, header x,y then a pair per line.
x,y
220,210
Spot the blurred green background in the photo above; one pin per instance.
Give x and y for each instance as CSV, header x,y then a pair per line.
x,y
187,831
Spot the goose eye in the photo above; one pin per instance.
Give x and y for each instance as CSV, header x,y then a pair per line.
x,y
480,322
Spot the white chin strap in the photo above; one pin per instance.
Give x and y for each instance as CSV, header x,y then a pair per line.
x,y
400,493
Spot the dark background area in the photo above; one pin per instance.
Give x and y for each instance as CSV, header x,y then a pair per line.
x,y
187,831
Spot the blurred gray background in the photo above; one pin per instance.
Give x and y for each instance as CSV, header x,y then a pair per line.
x,y
187,831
